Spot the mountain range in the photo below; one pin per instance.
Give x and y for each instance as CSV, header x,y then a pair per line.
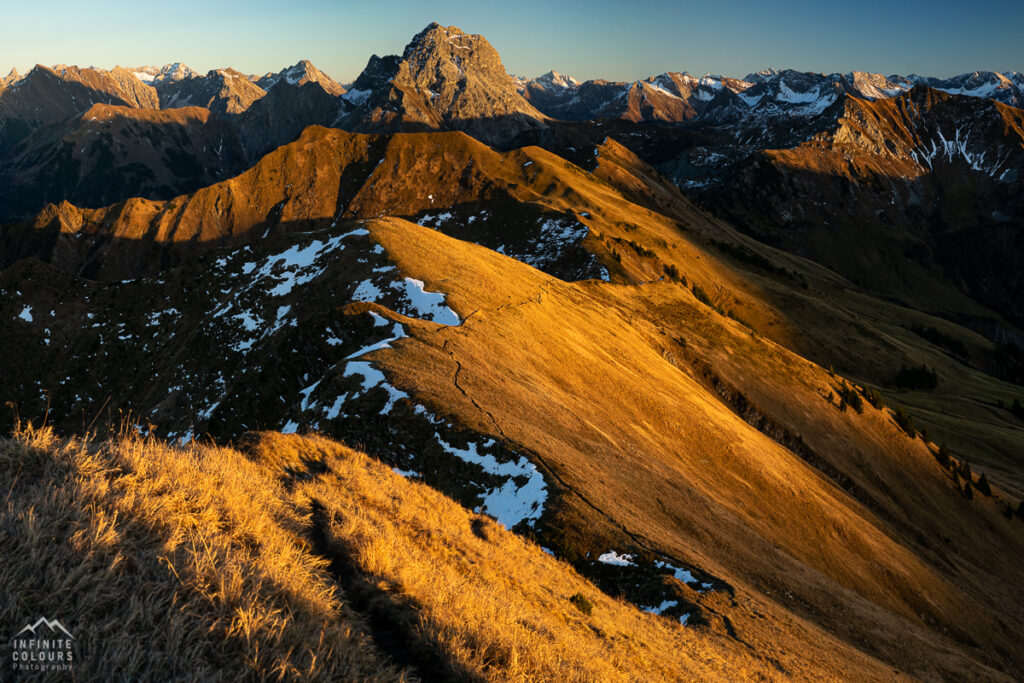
x,y
744,354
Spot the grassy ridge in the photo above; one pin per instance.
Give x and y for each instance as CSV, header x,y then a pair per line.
x,y
302,559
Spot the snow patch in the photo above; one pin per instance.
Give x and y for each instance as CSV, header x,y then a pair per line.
x,y
427,305
613,558
665,604
372,377
509,503
398,331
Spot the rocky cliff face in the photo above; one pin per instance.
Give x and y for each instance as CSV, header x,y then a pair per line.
x,y
445,79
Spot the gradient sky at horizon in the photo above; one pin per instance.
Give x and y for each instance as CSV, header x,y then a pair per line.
x,y
615,40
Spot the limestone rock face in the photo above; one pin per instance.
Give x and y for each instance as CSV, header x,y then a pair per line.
x,y
445,79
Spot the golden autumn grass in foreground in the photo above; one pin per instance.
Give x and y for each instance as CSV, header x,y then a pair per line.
x,y
301,558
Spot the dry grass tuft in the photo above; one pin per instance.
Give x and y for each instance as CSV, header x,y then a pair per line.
x,y
170,563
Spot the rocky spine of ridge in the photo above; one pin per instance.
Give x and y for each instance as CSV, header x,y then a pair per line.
x,y
53,153
445,79
325,176
10,79
765,95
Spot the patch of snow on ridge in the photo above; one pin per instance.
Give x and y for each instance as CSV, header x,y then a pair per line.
x,y
656,86
957,146
750,100
983,90
821,105
426,305
613,558
685,576
398,331
554,236
509,503
787,94
276,275
356,97
408,474
367,291
372,377
26,314
294,266
665,604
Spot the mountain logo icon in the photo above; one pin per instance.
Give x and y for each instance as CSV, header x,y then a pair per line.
x,y
53,624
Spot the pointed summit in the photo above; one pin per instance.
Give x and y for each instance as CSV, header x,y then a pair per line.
x,y
556,80
222,91
10,78
300,74
763,75
174,72
444,79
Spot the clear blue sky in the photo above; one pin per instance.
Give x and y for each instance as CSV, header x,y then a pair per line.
x,y
617,40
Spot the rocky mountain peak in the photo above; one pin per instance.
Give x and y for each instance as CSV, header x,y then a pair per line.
x,y
440,53
10,78
762,75
222,91
300,74
557,80
378,71
445,78
168,73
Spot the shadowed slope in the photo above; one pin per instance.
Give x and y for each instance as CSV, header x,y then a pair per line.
x,y
913,197
109,153
47,95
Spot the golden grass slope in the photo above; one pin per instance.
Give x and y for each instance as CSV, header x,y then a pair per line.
x,y
204,563
605,384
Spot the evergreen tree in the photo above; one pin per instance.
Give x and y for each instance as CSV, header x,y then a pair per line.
x,y
916,377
